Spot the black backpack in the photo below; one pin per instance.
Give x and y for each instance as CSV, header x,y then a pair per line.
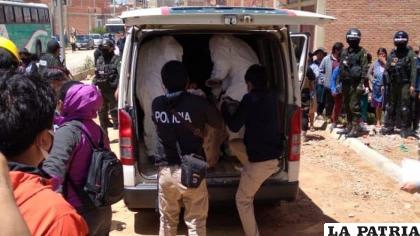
x,y
104,184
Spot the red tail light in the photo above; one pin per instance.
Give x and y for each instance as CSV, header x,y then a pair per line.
x,y
294,136
126,138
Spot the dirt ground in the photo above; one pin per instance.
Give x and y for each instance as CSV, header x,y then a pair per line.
x,y
393,146
336,186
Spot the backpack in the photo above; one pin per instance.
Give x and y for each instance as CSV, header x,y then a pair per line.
x,y
104,183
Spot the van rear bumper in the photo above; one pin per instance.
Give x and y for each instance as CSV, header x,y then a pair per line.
x,y
221,192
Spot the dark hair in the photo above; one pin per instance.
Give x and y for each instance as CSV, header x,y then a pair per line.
x,y
174,76
338,46
51,74
257,76
66,86
27,106
382,50
7,60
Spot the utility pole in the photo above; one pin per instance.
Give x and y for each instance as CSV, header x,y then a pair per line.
x,y
61,29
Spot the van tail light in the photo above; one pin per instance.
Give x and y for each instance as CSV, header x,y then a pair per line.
x,y
294,136
126,138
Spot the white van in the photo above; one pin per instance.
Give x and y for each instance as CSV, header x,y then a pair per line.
x,y
266,31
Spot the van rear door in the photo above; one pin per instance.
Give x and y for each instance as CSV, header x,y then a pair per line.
x,y
300,43
220,17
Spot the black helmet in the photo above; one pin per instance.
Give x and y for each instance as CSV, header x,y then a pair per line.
x,y
53,46
107,43
353,37
401,39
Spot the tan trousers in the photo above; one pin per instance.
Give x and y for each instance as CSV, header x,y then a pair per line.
x,y
172,194
252,177
213,139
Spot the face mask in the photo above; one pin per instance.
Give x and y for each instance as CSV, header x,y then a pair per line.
x,y
44,152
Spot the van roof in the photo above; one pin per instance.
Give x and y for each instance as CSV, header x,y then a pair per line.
x,y
233,16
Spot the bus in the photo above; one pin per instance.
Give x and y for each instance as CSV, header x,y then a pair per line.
x,y
26,24
114,26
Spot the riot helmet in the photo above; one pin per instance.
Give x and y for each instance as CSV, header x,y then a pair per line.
x,y
401,40
353,37
107,47
52,46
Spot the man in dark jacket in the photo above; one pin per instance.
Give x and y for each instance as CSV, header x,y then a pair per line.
x,y
258,111
107,73
51,59
178,138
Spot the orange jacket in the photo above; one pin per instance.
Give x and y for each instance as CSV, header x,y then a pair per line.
x,y
45,211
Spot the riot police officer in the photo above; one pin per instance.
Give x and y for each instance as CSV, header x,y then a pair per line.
x,y
401,68
353,68
51,59
107,76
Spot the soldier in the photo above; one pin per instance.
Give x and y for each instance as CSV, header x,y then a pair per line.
x,y
353,71
51,59
401,68
107,75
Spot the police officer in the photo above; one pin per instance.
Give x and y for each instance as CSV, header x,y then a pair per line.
x,y
401,68
51,59
107,75
9,56
178,138
353,68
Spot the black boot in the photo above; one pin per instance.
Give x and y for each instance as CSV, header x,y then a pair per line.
x,y
354,133
386,130
405,133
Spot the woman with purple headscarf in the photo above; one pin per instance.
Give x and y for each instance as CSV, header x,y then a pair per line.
x,y
70,157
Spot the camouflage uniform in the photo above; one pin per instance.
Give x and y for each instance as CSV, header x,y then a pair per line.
x,y
353,68
401,68
107,76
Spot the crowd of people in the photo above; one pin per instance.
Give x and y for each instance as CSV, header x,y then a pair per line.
x,y
48,139
348,78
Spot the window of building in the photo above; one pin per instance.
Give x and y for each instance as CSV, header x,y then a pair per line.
x,y
34,15
2,21
8,13
27,15
18,14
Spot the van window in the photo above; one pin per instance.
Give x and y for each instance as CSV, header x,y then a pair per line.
x,y
27,14
8,13
2,21
18,14
34,15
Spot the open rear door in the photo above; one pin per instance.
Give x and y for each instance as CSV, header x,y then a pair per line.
x,y
232,17
300,43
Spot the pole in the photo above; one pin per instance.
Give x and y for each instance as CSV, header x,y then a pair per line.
x,y
113,4
61,29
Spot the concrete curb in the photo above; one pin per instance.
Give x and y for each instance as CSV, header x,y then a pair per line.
x,y
375,158
83,74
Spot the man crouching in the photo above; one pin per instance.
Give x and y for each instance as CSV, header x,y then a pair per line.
x,y
180,118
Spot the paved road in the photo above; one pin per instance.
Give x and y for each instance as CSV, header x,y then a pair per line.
x,y
336,186
75,61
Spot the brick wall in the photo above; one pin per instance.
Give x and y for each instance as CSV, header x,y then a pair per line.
x,y
378,20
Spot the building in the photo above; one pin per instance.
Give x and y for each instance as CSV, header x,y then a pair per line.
x,y
378,20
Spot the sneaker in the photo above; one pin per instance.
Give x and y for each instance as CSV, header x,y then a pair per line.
x,y
363,127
